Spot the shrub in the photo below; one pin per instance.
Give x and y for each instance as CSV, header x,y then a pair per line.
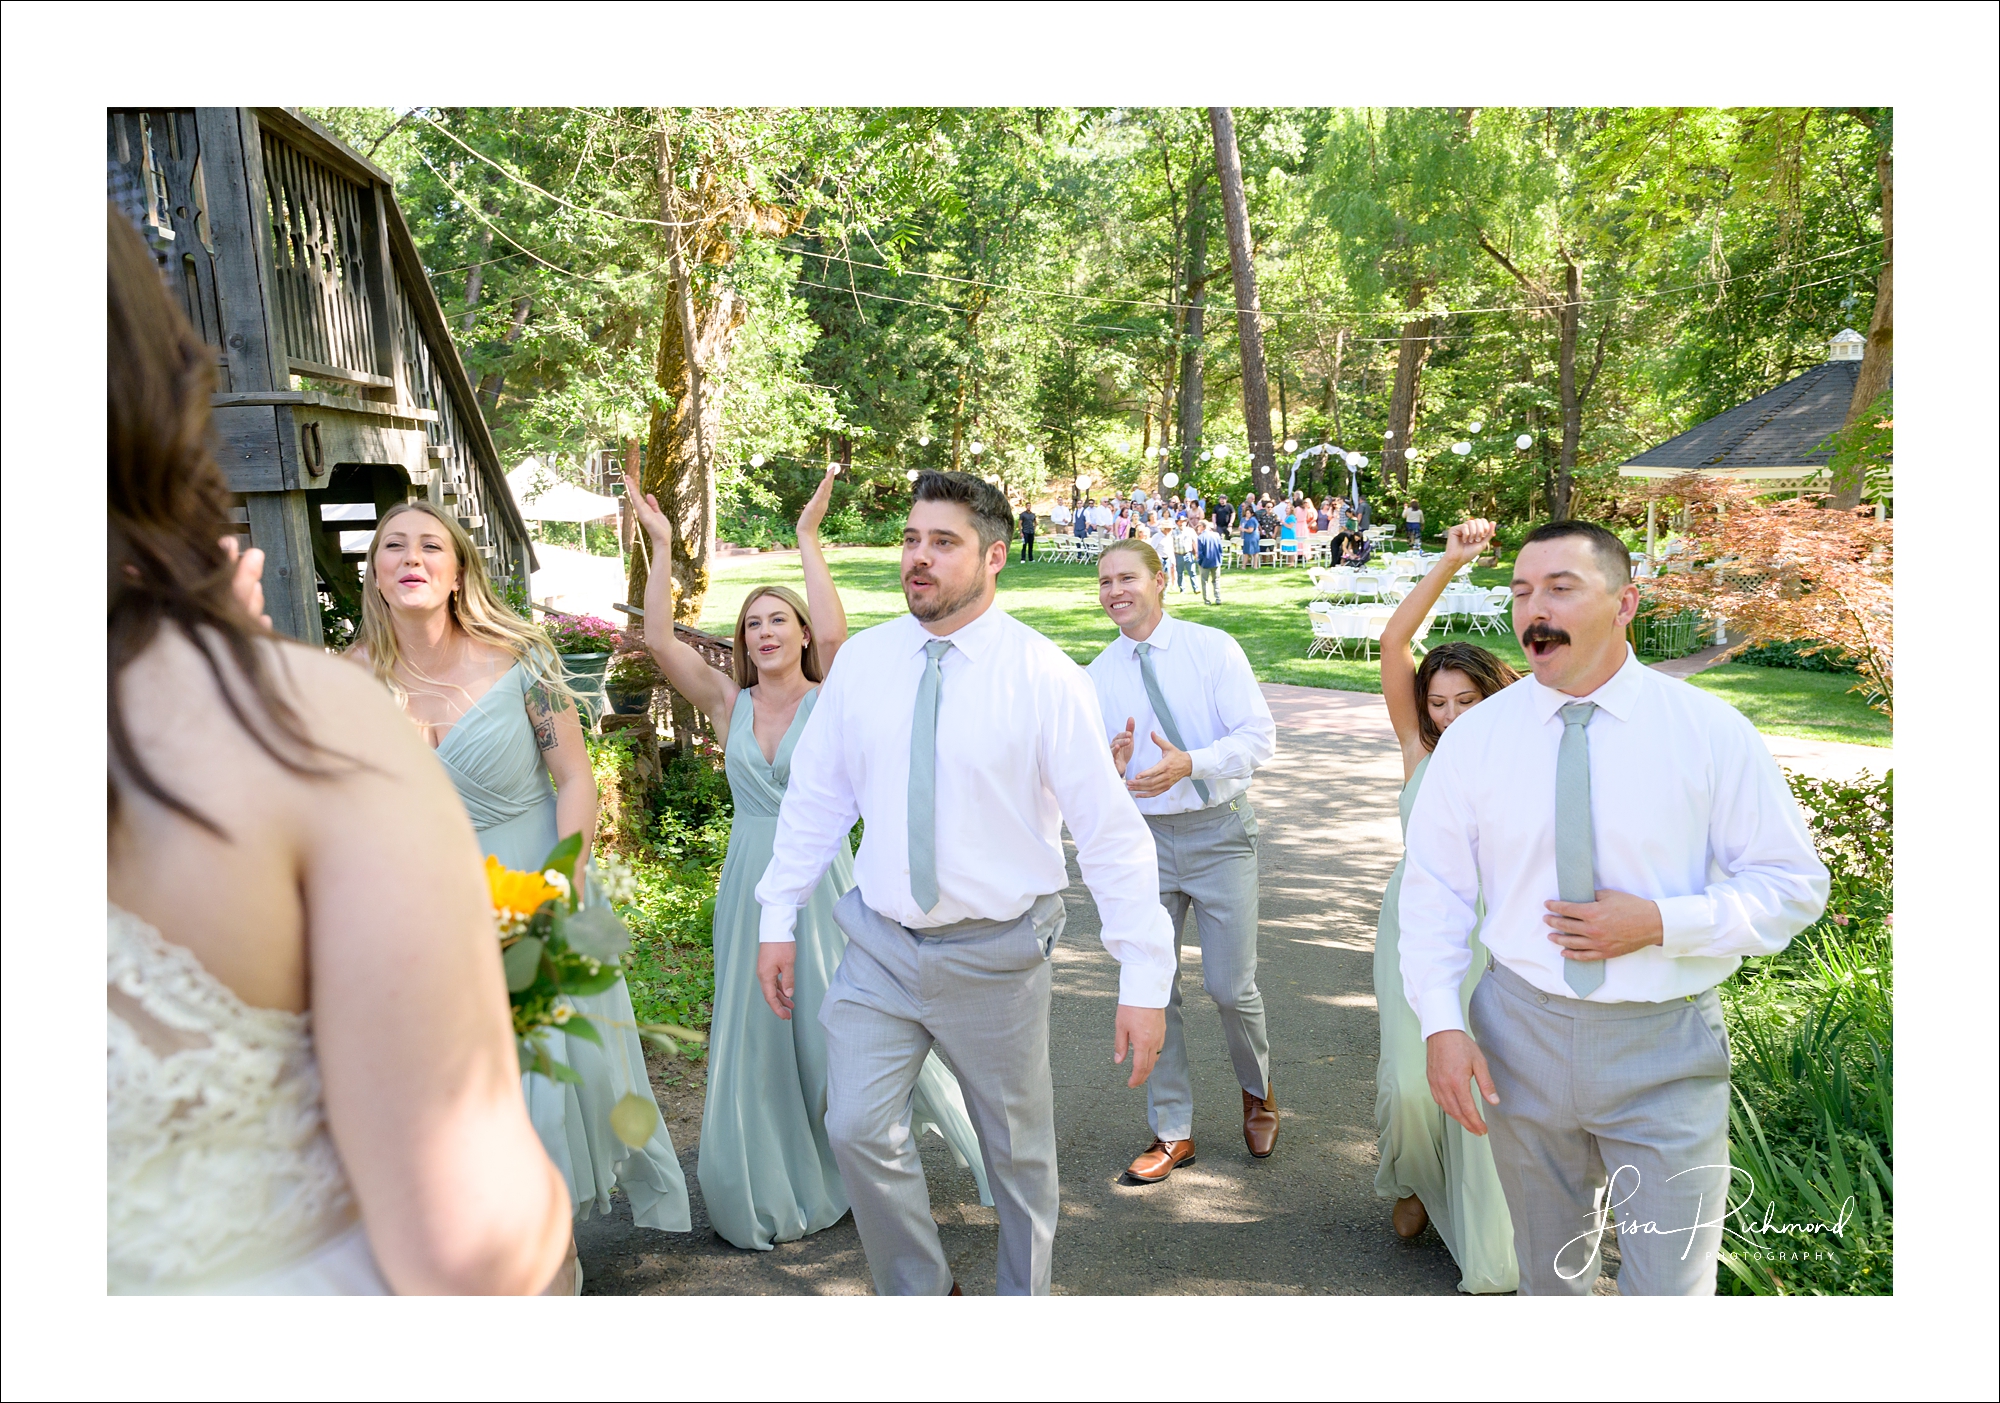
x,y
1802,655
1812,1036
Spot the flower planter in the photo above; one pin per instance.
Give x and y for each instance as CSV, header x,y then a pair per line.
x,y
585,674
629,699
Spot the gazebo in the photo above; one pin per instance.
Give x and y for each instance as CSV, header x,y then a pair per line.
x,y
1778,441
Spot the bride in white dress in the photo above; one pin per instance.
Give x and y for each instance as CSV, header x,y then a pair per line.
x,y
312,1079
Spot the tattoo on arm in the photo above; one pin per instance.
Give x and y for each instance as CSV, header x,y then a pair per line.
x,y
542,715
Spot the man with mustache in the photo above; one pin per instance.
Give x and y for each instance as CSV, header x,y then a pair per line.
x,y
1633,841
964,740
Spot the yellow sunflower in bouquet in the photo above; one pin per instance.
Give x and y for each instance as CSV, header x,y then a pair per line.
x,y
554,947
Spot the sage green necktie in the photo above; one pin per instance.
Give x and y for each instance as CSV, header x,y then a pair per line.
x,y
923,779
1163,713
1576,853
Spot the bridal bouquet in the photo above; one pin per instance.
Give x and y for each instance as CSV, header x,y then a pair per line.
x,y
554,948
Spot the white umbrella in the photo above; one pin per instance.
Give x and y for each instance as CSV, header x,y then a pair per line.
x,y
542,496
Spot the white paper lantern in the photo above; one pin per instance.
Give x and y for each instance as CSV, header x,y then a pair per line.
x,y
1388,434
924,441
1205,455
1221,451
1084,480
1171,480
1461,448
1291,445
756,460
975,448
1360,460
911,474
1525,442
1475,426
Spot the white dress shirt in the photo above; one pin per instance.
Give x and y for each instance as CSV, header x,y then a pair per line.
x,y
1225,723
1019,753
1060,516
1688,810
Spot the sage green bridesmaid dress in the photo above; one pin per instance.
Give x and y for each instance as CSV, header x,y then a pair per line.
x,y
497,768
1424,1151
766,1170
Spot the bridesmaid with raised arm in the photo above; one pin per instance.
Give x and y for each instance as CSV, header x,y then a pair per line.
x,y
1434,1170
486,691
767,1171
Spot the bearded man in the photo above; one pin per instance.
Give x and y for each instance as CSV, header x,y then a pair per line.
x,y
964,740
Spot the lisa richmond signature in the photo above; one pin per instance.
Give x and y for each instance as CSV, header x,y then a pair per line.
x,y
1729,1217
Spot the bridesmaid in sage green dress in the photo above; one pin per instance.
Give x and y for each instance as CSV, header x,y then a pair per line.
x,y
766,1170
487,691
1433,1168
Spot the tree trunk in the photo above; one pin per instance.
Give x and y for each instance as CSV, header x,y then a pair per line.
x,y
1567,316
1411,352
1191,318
490,383
474,276
1249,324
1877,358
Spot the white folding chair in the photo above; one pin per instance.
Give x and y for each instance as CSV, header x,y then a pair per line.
x,y
1367,585
1325,633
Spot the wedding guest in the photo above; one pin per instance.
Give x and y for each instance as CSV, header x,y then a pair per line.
x,y
1188,728
1027,532
1225,514
1429,1166
1253,536
1323,522
313,1086
1061,516
1083,515
960,879
1633,841
1413,522
1183,540
767,1170
487,693
1122,526
1208,559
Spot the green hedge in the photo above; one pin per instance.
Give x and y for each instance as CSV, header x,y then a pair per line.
x,y
1812,1037
1800,656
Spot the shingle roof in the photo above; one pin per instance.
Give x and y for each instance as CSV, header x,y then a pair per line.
x,y
1782,428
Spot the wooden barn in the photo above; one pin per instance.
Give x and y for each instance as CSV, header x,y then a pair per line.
x,y
339,385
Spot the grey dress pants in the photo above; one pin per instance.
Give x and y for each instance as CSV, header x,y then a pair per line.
x,y
1608,1112
1208,861
979,990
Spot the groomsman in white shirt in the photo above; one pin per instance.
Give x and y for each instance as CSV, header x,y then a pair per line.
x,y
964,740
1633,841
1188,727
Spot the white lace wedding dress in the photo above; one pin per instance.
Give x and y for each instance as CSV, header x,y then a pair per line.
x,y
223,1177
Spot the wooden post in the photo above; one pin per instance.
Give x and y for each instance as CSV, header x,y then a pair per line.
x,y
281,525
1651,536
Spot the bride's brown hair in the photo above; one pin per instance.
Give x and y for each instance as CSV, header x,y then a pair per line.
x,y
169,510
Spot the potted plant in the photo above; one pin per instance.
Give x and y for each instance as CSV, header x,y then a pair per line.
x,y
585,645
629,683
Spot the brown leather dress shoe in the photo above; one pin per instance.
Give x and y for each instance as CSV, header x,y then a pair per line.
x,y
1409,1216
956,1290
1260,1122
1162,1158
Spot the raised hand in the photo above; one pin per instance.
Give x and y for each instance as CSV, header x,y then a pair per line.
x,y
1121,745
1175,766
647,511
247,584
1465,540
814,511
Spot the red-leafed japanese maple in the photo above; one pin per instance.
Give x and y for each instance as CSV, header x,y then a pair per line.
x,y
1784,572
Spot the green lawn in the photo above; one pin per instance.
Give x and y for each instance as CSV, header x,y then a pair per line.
x,y
1786,702
1265,611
